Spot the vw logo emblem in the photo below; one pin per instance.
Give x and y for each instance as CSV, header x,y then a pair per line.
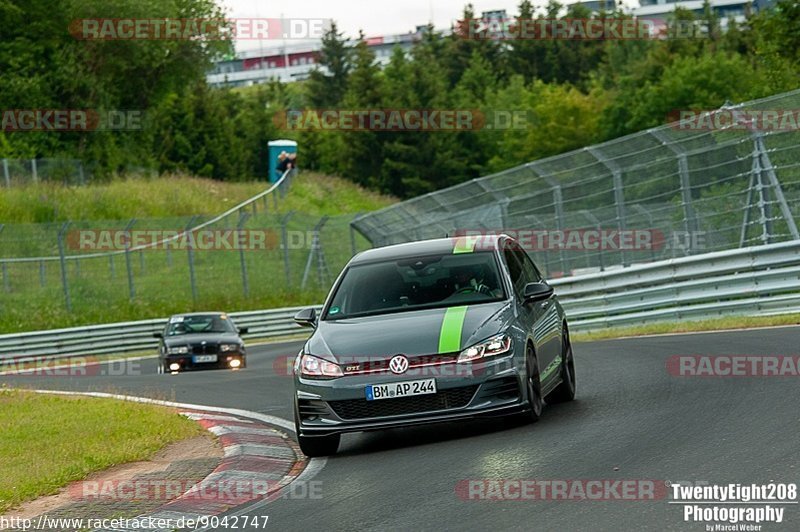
x,y
398,364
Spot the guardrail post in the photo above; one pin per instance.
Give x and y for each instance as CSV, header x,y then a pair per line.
x,y
6,174
63,261
243,216
619,196
285,246
131,288
190,256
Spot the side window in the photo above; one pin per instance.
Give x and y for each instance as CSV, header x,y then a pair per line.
x,y
529,271
515,269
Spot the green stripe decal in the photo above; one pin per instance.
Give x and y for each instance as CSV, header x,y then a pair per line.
x,y
465,244
450,335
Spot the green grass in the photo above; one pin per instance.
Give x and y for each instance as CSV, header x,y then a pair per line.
x,y
32,295
716,324
49,441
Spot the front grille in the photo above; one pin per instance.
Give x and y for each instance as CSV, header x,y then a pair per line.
x,y
201,349
382,364
443,400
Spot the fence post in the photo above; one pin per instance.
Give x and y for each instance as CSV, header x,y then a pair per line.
x,y
593,219
42,279
131,288
63,262
619,196
190,254
285,246
649,217
316,251
6,281
111,266
34,171
243,216
353,248
689,218
766,167
6,174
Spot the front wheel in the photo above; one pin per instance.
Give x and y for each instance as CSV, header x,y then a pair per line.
x,y
534,385
319,445
566,390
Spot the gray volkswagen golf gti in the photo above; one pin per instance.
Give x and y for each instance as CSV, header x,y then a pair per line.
x,y
431,331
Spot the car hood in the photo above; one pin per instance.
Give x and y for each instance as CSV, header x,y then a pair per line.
x,y
197,338
410,333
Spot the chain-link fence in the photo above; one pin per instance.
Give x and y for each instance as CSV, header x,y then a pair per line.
x,y
15,172
257,251
712,181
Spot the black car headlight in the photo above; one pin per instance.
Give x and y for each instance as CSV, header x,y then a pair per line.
x,y
224,348
496,345
178,350
315,367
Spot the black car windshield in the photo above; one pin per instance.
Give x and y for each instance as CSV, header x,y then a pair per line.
x,y
417,283
206,323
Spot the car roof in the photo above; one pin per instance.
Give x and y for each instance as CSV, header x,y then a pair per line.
x,y
488,242
210,313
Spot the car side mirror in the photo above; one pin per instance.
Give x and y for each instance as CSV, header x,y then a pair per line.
x,y
158,335
306,317
536,292
243,330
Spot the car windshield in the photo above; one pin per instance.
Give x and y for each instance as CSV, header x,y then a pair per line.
x,y
416,283
207,323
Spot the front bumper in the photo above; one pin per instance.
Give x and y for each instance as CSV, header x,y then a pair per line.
x,y
336,406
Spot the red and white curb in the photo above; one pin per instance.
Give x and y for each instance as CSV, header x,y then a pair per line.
x,y
259,456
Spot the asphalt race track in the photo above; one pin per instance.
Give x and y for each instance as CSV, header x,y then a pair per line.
x,y
631,420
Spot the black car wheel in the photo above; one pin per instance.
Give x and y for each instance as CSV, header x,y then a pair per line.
x,y
566,390
534,385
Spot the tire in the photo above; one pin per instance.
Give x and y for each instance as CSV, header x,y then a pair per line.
x,y
319,445
565,391
534,385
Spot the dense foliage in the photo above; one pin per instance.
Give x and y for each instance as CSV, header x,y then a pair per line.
x,y
573,93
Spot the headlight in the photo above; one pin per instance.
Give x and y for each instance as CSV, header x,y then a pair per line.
x,y
496,345
311,366
178,350
228,347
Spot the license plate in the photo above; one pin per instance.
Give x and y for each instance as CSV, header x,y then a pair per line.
x,y
400,389
199,359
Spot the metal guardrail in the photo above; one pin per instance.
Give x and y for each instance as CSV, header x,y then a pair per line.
x,y
756,280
